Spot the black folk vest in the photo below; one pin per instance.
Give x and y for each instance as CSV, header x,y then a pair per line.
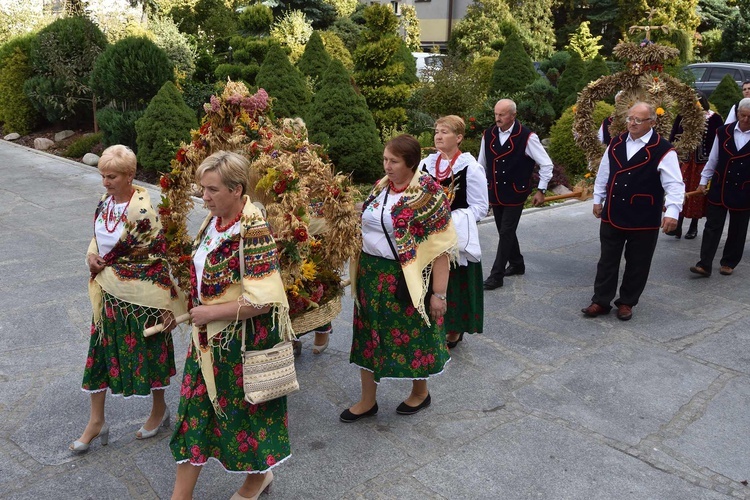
x,y
635,196
730,185
508,168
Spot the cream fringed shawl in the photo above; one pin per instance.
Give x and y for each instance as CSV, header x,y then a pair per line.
x,y
261,285
423,230
136,268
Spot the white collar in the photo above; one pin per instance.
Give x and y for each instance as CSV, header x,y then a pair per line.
x,y
644,138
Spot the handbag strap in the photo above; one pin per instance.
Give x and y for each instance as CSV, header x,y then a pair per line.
x,y
382,223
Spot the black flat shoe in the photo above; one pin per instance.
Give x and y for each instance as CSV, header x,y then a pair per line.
x,y
514,270
691,235
405,409
349,417
492,283
454,343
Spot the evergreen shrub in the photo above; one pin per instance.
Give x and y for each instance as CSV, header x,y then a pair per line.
x,y
535,107
246,72
726,95
513,70
130,73
165,124
83,145
62,56
570,80
340,120
314,60
118,127
336,49
256,20
284,82
563,148
196,94
17,113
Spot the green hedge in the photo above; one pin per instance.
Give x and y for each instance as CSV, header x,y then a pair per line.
x,y
563,148
17,113
83,145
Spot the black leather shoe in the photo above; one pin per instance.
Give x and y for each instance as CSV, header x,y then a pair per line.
x,y
691,234
405,409
513,270
349,417
492,283
454,343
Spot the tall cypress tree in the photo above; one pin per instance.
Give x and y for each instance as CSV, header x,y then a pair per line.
x,y
570,80
284,82
340,119
314,60
513,70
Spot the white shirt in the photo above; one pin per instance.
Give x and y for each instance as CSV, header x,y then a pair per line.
x,y
534,150
374,241
740,140
669,173
210,242
105,240
732,116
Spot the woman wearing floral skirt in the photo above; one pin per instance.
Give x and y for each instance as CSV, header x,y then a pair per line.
x,y
407,237
214,420
465,184
130,289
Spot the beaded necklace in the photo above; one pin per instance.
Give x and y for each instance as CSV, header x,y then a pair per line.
x,y
111,215
234,221
393,187
441,176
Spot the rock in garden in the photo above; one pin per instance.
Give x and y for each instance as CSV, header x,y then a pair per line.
x,y
12,137
560,189
63,135
43,144
90,159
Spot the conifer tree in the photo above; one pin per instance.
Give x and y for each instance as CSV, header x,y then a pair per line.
x,y
595,69
583,43
165,124
340,119
570,80
726,95
314,60
284,82
513,70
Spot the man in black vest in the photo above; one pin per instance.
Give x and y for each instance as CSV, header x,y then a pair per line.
x,y
728,168
732,115
638,168
509,152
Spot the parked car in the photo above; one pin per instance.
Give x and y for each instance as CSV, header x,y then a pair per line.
x,y
708,75
425,60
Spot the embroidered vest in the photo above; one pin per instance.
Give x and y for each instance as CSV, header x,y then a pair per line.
x,y
508,168
730,185
459,183
635,196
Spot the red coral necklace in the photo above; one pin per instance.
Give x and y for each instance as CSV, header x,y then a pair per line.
x,y
111,215
442,175
234,221
393,187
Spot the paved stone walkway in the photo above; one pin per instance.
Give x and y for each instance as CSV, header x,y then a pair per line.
x,y
545,405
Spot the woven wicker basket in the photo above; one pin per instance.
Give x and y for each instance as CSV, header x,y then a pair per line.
x,y
317,317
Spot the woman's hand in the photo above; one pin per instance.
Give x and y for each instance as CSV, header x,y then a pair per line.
x,y
167,319
438,307
96,264
202,315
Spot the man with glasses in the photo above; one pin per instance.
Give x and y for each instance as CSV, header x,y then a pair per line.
x,y
732,116
728,168
636,172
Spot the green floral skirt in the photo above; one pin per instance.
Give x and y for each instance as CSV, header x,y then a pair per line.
x,y
465,300
249,438
390,337
123,360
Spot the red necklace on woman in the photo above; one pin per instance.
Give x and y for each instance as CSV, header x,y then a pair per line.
x,y
442,175
231,223
111,215
394,189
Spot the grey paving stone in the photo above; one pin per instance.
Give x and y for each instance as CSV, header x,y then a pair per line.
x,y
728,347
620,391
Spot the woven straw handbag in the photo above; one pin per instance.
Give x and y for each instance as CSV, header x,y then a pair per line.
x,y
270,373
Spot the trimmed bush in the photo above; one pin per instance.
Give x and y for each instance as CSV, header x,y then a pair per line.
x,y
535,107
246,72
118,127
83,145
570,80
196,94
336,49
282,81
726,95
17,113
513,70
340,120
62,56
563,148
165,124
256,20
314,60
130,73
176,45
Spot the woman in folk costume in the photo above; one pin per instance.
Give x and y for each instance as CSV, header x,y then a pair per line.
x,y
695,206
407,236
214,420
465,184
130,288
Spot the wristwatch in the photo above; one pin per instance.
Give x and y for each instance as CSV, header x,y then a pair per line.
x,y
441,296
543,191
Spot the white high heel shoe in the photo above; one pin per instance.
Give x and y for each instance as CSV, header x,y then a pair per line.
x,y
265,487
81,447
319,348
145,434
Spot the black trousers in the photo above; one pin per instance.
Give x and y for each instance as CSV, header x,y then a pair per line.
x,y
639,250
508,251
716,215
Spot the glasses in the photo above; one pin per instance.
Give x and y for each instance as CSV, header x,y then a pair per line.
x,y
637,121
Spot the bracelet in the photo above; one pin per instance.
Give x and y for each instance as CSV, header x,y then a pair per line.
x,y
441,296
